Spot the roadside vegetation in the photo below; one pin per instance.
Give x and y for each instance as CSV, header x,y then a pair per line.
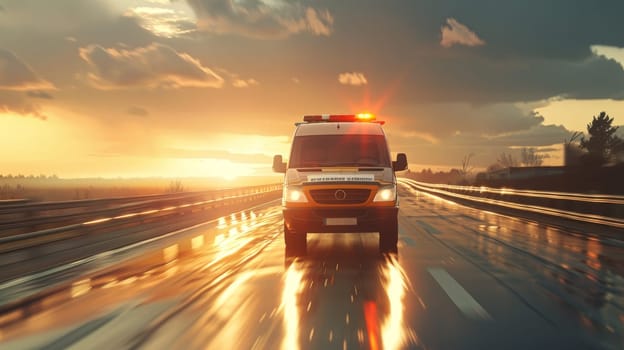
x,y
594,164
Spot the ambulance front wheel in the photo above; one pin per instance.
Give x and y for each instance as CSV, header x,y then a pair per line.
x,y
295,241
389,237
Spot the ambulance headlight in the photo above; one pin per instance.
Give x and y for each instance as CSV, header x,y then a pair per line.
x,y
294,194
386,194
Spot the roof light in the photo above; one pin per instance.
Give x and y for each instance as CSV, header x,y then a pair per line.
x,y
360,117
365,116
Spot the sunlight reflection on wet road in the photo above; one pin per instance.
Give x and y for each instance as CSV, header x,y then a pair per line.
x,y
232,285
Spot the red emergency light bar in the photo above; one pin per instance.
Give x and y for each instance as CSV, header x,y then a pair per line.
x,y
323,118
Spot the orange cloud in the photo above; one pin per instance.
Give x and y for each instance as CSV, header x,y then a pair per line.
x,y
455,33
241,83
318,23
12,102
163,22
155,65
18,76
352,78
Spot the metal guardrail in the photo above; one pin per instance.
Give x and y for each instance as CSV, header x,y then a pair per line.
x,y
590,208
118,212
27,253
18,217
4,202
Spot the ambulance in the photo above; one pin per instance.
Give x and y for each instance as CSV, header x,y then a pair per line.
x,y
340,178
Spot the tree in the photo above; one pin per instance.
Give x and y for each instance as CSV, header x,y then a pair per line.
x,y
602,144
575,135
530,157
572,151
466,168
176,186
506,160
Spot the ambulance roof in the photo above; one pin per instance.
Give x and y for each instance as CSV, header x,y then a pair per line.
x,y
334,128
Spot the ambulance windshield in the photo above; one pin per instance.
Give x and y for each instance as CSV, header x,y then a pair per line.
x,y
339,150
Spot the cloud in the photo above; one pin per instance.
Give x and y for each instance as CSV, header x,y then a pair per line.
x,y
14,102
443,120
614,53
57,18
442,134
481,80
450,150
260,18
241,83
562,29
164,22
39,94
138,111
18,76
236,80
539,135
155,65
318,23
450,99
455,33
352,78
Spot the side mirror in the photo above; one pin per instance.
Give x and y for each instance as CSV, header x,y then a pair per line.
x,y
278,164
401,162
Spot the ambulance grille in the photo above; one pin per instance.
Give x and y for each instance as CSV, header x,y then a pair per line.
x,y
340,195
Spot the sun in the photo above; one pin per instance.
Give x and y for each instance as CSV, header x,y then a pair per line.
x,y
214,168
227,169
229,177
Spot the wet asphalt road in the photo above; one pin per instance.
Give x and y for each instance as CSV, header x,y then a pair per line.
x,y
462,279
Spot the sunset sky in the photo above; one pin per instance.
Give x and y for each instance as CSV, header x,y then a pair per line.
x,y
138,88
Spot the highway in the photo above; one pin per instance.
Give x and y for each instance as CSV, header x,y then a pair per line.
x,y
463,278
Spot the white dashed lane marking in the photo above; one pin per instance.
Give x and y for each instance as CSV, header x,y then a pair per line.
x,y
462,299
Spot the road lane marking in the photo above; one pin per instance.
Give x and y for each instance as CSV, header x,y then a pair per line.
x,y
462,299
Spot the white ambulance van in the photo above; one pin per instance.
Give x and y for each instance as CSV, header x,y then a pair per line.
x,y
340,179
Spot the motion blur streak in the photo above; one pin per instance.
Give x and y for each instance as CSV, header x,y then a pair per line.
x,y
594,251
222,223
392,329
292,288
576,216
170,253
593,198
80,288
224,302
98,221
372,326
197,242
231,242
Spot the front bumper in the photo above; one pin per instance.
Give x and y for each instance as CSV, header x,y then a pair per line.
x,y
314,220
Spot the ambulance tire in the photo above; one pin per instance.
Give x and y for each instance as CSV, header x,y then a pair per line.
x,y
295,241
389,236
